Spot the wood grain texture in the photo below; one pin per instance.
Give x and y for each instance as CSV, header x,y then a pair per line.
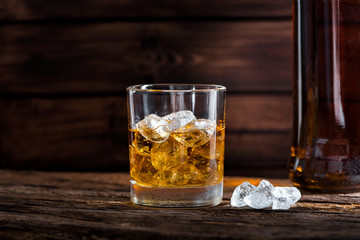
x,y
91,130
77,9
259,112
64,68
91,133
42,205
107,57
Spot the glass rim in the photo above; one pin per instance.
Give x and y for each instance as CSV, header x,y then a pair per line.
x,y
188,87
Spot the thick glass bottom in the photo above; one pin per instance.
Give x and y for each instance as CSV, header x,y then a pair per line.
x,y
176,196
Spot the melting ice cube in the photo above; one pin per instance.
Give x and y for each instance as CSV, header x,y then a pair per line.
x,y
240,192
154,128
284,197
141,144
179,119
281,203
196,133
261,197
264,195
168,155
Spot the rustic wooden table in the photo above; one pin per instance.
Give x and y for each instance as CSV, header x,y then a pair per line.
x,y
53,205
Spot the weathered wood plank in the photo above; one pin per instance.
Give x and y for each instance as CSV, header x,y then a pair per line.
x,y
91,133
257,154
75,9
57,205
94,130
243,113
259,112
107,57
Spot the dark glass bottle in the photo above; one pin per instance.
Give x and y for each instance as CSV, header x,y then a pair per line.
x,y
325,153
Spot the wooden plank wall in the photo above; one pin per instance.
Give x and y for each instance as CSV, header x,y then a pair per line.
x,y
64,67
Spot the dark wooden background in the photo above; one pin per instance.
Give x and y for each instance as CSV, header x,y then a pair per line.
x,y
64,67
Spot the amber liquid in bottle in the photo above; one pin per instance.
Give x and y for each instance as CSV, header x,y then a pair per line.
x,y
325,154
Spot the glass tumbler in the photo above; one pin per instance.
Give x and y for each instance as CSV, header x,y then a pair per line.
x,y
176,144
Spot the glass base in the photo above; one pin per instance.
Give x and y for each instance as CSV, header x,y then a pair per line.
x,y
176,197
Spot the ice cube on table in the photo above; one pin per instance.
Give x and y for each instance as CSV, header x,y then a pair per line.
x,y
154,128
240,192
196,133
281,203
284,197
264,195
291,193
179,119
261,197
